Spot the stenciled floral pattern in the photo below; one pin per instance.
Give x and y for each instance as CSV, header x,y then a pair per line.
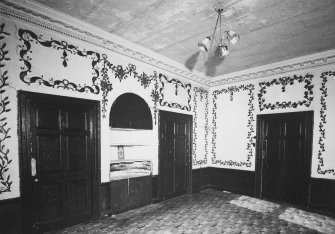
x,y
155,95
28,37
5,161
105,85
250,125
284,82
323,120
164,79
203,95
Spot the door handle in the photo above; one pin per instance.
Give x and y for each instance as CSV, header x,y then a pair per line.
x,y
33,167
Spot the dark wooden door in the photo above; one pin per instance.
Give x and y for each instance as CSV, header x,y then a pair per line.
x,y
59,161
284,156
174,155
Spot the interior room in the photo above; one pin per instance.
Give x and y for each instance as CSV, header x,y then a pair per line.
x,y
167,116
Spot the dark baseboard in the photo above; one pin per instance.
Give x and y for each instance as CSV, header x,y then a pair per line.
x,y
10,216
155,192
105,206
231,180
322,194
199,179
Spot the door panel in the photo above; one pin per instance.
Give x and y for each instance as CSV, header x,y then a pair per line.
x,y
48,154
174,159
61,141
180,151
47,117
284,156
181,176
49,202
76,119
77,152
168,181
181,128
77,194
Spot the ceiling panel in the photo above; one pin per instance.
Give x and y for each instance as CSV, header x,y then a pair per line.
x,y
270,30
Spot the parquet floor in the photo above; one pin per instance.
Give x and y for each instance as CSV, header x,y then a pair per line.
x,y
211,212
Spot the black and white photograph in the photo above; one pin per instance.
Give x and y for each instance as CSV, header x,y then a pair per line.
x,y
167,117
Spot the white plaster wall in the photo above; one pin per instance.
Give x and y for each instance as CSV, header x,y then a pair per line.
x,y
232,115
47,62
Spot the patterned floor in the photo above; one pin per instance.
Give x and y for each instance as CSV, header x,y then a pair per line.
x,y
211,212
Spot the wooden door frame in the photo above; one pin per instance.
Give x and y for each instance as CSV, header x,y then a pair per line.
x,y
24,98
309,122
189,182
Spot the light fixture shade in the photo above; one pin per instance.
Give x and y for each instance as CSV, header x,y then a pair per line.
x,y
223,50
233,37
204,44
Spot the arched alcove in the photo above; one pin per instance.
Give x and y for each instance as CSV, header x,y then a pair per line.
x,y
130,111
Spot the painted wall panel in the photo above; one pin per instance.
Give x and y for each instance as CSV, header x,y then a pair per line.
x,y
233,127
200,147
323,162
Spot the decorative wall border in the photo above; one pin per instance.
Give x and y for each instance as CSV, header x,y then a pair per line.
x,y
203,95
324,94
177,83
5,180
105,84
250,125
28,37
155,97
285,81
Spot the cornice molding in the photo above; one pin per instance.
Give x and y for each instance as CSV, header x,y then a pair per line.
x,y
296,64
47,18
41,16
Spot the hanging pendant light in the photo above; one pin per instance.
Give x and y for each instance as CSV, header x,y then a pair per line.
x,y
229,37
223,50
204,44
233,37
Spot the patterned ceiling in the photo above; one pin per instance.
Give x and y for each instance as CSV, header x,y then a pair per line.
x,y
270,30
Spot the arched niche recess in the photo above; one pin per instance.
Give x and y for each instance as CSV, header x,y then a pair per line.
x,y
130,111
